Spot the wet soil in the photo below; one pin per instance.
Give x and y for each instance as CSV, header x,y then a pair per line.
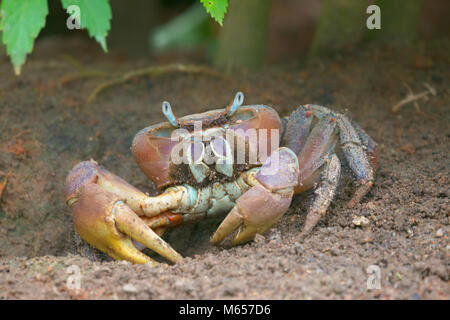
x,y
46,127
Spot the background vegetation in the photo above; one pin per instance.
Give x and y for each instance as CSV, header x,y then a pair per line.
x,y
234,34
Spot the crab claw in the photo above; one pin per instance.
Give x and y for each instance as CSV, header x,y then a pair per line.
x,y
106,222
263,204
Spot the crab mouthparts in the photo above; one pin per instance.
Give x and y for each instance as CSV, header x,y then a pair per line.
x,y
201,155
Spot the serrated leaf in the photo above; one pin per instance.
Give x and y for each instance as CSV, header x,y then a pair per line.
x,y
216,8
95,16
20,22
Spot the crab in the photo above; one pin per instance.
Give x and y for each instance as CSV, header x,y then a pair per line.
x,y
244,163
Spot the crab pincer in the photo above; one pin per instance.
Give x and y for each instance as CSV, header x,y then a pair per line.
x,y
209,163
102,206
262,205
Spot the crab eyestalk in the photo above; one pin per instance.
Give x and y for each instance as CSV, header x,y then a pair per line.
x,y
167,111
237,102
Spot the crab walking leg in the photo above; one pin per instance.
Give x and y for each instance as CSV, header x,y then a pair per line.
x,y
359,150
324,194
369,145
320,143
262,205
357,159
296,129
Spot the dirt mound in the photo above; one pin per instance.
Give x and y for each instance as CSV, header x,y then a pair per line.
x,y
47,127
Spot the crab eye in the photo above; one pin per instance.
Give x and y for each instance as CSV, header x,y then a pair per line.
x,y
167,111
238,100
221,148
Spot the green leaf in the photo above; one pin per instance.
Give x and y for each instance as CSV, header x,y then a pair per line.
x,y
95,16
21,21
216,8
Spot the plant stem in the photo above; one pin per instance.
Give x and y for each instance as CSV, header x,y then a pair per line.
x,y
242,41
341,23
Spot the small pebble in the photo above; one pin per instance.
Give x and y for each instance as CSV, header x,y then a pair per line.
x,y
298,248
335,251
259,238
416,296
274,236
371,206
439,233
129,288
360,221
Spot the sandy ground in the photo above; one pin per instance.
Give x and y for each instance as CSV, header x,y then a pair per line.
x,y
46,127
